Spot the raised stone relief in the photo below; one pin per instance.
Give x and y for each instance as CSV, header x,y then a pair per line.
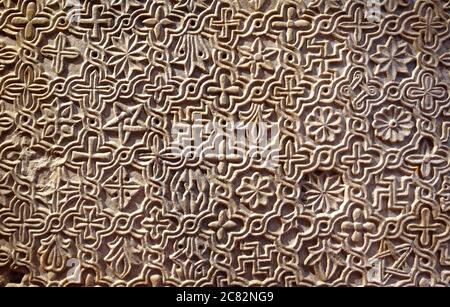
x,y
224,143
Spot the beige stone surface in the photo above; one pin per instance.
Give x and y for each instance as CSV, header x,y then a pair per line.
x,y
222,142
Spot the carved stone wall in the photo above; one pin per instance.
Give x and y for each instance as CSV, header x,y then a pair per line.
x,y
222,142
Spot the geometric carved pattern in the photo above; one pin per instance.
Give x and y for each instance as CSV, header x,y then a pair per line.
x,y
222,142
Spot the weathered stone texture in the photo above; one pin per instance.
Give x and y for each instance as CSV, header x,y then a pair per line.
x,y
221,142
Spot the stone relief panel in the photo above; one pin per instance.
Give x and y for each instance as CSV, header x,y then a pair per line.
x,y
223,142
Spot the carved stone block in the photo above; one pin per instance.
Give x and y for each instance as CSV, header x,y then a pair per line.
x,y
223,142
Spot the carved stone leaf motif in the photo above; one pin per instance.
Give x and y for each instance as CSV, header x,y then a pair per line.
x,y
224,143
54,253
121,256
8,55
